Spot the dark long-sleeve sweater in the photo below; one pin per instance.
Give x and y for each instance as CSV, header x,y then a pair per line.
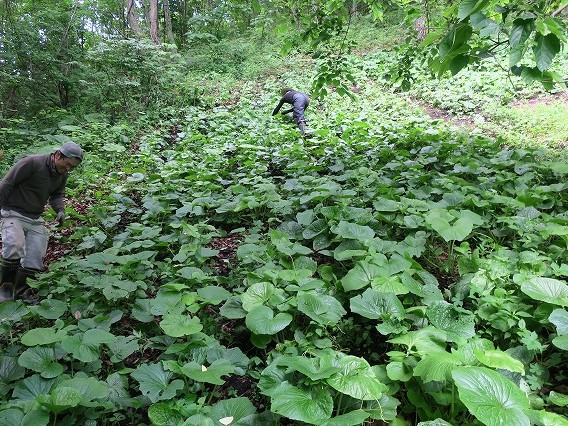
x,y
28,186
300,102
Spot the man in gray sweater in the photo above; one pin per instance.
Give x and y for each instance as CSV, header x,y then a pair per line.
x,y
299,102
24,192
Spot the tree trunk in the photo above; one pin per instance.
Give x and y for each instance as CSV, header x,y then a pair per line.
x,y
168,20
133,18
153,17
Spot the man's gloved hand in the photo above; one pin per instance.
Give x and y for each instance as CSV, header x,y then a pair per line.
x,y
60,217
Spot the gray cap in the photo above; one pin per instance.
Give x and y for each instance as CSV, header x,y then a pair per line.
x,y
72,150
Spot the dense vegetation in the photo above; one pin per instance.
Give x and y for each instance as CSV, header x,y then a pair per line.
x,y
390,268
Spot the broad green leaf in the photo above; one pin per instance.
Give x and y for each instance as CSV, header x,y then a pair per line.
x,y
353,231
42,360
386,205
389,284
425,340
60,399
545,49
271,377
42,336
208,373
384,409
558,399
312,406
458,323
361,276
213,294
178,325
469,7
353,418
30,387
314,229
437,422
546,418
12,311
559,317
376,305
89,387
323,309
261,320
155,382
561,342
495,358
548,290
318,368
399,371
357,379
50,308
520,31
457,231
9,372
233,308
257,295
85,347
162,414
490,397
349,249
122,347
437,366
306,217
235,411
15,417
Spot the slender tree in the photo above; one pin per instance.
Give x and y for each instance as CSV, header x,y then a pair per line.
x,y
132,15
168,22
153,21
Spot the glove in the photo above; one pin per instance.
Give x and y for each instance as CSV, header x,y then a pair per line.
x,y
60,217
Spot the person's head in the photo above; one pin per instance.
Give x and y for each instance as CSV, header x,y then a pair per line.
x,y
67,157
284,90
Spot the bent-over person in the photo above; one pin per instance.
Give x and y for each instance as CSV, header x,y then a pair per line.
x,y
299,102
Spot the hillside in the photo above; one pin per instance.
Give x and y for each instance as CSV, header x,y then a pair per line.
x,y
392,267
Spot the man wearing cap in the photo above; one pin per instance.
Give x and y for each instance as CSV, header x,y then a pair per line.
x,y
24,192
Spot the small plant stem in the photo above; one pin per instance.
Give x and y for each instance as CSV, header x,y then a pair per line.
x,y
211,395
451,257
339,404
453,400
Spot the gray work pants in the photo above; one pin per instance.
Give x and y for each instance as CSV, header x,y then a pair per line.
x,y
24,238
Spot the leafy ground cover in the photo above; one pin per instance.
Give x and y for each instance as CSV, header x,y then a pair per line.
x,y
385,269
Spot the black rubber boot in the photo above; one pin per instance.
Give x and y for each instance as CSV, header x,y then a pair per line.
x,y
9,272
22,291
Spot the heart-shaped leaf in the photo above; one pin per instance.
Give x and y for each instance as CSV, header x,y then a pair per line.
x,y
9,371
208,373
42,360
155,382
357,379
177,325
50,308
490,397
548,290
323,309
42,336
373,304
312,406
85,346
261,320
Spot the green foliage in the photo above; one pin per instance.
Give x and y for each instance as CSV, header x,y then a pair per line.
x,y
225,271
